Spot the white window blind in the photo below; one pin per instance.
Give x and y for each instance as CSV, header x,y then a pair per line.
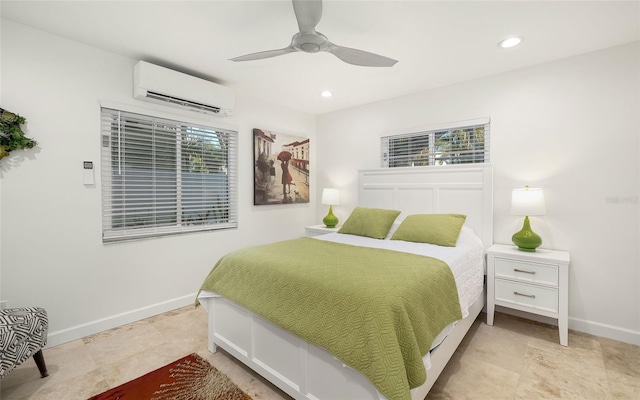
x,y
459,145
163,177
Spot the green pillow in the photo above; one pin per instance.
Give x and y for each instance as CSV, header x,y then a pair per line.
x,y
371,222
440,229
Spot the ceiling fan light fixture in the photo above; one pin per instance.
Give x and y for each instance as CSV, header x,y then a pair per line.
x,y
510,42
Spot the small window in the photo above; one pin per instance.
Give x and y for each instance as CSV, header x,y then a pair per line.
x,y
162,177
458,145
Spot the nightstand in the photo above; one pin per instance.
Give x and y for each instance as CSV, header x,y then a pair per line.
x,y
316,230
535,282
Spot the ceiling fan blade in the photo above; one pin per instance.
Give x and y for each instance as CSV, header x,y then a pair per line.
x,y
359,57
308,14
264,54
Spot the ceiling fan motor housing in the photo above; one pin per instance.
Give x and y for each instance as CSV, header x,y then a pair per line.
x,y
310,42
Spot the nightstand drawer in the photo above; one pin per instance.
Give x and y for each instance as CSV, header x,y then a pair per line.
x,y
546,274
538,297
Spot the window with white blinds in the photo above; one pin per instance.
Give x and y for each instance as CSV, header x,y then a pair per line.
x,y
163,177
459,145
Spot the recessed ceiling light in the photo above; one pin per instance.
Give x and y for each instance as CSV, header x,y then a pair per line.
x,y
326,94
510,42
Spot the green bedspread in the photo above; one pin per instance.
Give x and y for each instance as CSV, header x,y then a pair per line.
x,y
376,310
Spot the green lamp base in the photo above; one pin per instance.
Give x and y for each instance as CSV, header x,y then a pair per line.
x,y
526,239
330,221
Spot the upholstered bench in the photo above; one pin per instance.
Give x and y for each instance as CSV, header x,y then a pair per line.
x,y
23,334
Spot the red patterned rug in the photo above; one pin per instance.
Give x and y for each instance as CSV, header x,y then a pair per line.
x,y
189,378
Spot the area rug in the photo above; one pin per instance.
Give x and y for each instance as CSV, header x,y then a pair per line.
x,y
189,378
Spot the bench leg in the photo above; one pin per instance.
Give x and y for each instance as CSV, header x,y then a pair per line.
x,y
42,367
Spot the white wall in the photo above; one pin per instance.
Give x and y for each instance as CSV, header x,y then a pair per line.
x,y
51,253
570,127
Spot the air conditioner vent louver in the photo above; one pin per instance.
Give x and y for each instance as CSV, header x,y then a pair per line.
x,y
183,103
176,89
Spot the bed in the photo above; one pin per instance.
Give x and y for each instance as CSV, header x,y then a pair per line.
x,y
305,370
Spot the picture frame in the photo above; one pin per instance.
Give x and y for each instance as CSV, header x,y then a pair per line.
x,y
281,168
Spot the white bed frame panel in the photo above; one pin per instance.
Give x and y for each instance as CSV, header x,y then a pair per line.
x,y
437,189
306,371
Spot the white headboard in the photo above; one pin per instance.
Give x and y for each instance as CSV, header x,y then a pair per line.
x,y
462,189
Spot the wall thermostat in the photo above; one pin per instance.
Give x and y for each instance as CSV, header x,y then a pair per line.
x,y
87,167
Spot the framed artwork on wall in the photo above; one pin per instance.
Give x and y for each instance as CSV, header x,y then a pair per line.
x,y
281,168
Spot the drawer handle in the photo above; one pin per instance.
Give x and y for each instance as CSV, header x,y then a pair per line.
x,y
525,271
533,296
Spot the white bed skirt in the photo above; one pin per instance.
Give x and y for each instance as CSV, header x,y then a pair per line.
x,y
301,369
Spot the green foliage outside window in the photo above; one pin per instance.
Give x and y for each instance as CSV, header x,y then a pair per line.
x,y
461,146
204,152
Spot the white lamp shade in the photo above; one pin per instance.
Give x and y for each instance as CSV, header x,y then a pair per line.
x,y
527,201
331,197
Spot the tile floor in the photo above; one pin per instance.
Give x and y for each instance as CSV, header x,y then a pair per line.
x,y
514,359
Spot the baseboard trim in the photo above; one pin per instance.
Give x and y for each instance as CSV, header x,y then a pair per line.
x,y
114,321
604,330
581,325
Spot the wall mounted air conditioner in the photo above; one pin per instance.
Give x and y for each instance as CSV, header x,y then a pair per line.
x,y
176,89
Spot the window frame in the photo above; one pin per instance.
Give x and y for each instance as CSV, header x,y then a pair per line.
x,y
429,135
111,233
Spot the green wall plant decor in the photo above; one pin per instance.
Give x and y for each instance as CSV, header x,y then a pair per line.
x,y
11,135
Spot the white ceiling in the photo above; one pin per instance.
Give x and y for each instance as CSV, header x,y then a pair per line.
x,y
436,43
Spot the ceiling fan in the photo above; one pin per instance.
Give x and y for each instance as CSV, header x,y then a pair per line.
x,y
308,14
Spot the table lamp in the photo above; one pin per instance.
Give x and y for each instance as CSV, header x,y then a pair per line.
x,y
330,197
527,201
